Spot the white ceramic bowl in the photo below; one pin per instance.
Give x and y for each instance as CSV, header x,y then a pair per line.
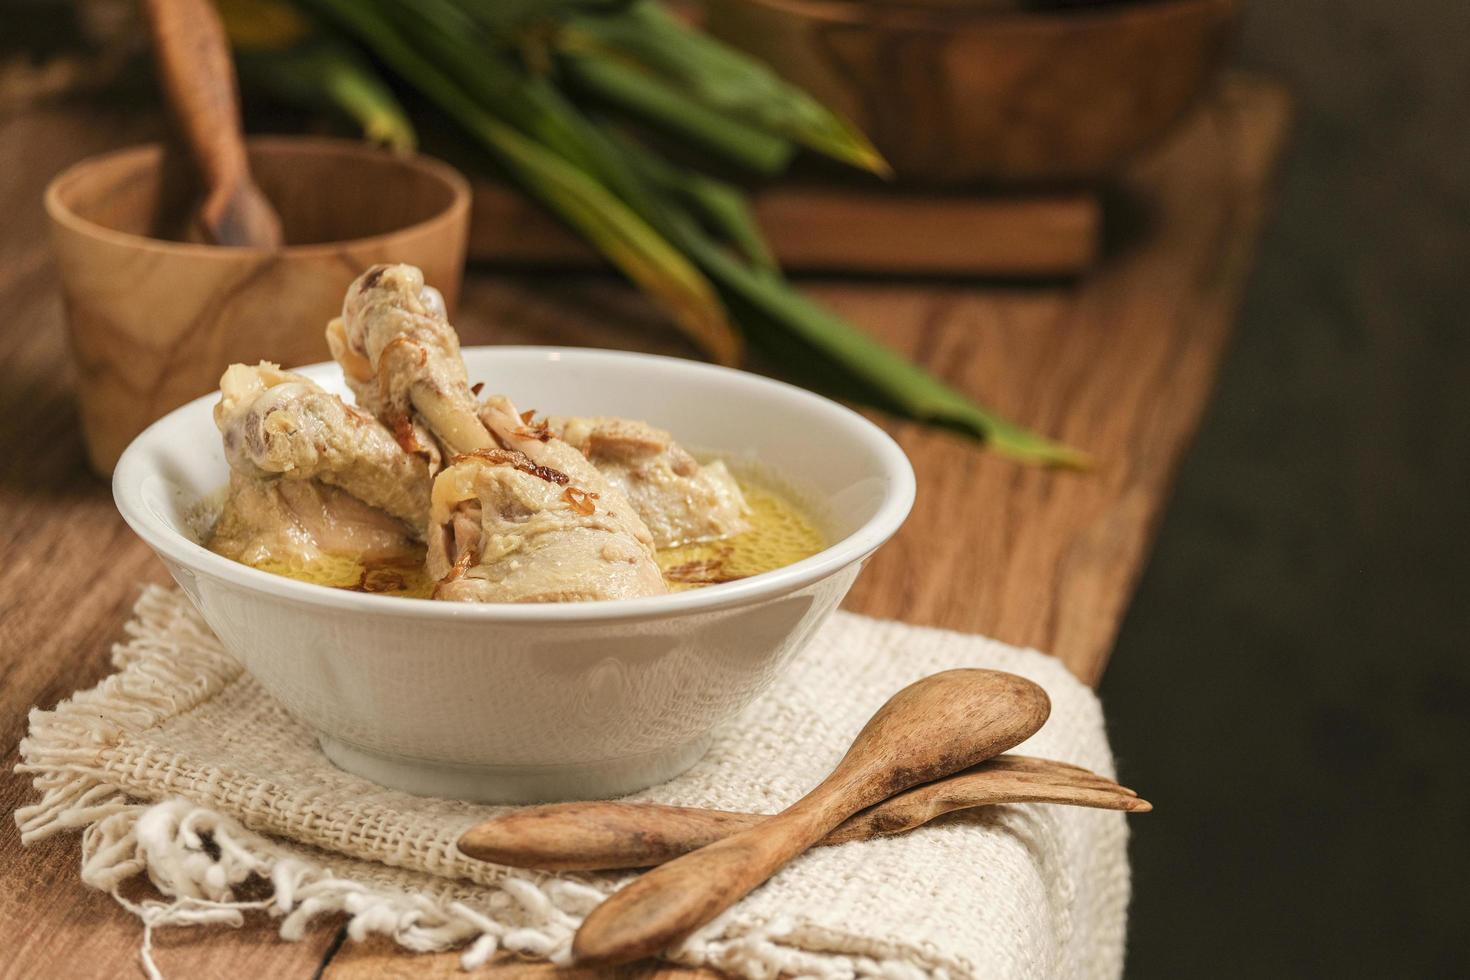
x,y
521,703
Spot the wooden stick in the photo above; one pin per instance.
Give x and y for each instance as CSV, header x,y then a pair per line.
x,y
602,835
198,79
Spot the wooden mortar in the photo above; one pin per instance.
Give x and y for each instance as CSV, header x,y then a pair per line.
x,y
155,320
961,93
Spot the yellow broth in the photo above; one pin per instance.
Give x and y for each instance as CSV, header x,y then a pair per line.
x,y
779,534
344,572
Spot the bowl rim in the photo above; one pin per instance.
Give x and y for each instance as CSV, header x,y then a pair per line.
x,y
61,213
896,470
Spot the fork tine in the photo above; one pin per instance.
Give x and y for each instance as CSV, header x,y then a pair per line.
x,y
1030,763
1081,779
1106,784
1103,799
1096,782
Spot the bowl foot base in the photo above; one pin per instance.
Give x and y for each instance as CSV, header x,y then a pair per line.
x,y
515,784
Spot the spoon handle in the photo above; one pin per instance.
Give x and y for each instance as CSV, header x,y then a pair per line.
x,y
931,729
598,836
673,900
198,79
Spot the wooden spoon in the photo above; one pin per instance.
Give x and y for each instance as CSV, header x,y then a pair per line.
x,y
599,835
199,82
931,729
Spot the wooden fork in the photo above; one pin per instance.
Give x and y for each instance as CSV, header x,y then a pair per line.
x,y
601,835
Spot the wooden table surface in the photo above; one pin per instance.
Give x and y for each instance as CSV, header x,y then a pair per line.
x,y
1120,365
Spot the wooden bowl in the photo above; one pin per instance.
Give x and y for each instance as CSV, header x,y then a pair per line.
x,y
960,94
155,321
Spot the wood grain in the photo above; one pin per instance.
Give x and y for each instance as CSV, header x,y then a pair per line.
x,y
198,79
953,95
601,835
818,228
931,729
1121,364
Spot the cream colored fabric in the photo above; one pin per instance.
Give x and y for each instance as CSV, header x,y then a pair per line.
x,y
181,767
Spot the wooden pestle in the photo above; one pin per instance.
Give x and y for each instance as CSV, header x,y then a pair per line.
x,y
198,79
604,835
931,729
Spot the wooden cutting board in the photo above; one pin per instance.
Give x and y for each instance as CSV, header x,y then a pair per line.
x,y
814,228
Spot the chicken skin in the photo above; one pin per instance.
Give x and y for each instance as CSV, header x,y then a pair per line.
x,y
276,423
401,357
300,522
518,515
504,529
312,475
681,501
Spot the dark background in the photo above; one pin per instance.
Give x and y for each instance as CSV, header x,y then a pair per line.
x,y
1292,684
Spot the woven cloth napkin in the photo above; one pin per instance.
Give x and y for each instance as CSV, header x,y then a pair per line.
x,y
181,767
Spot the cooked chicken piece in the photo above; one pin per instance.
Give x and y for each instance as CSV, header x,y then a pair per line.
x,y
402,358
533,521
296,522
395,329
504,529
515,431
276,423
680,500
310,475
410,431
